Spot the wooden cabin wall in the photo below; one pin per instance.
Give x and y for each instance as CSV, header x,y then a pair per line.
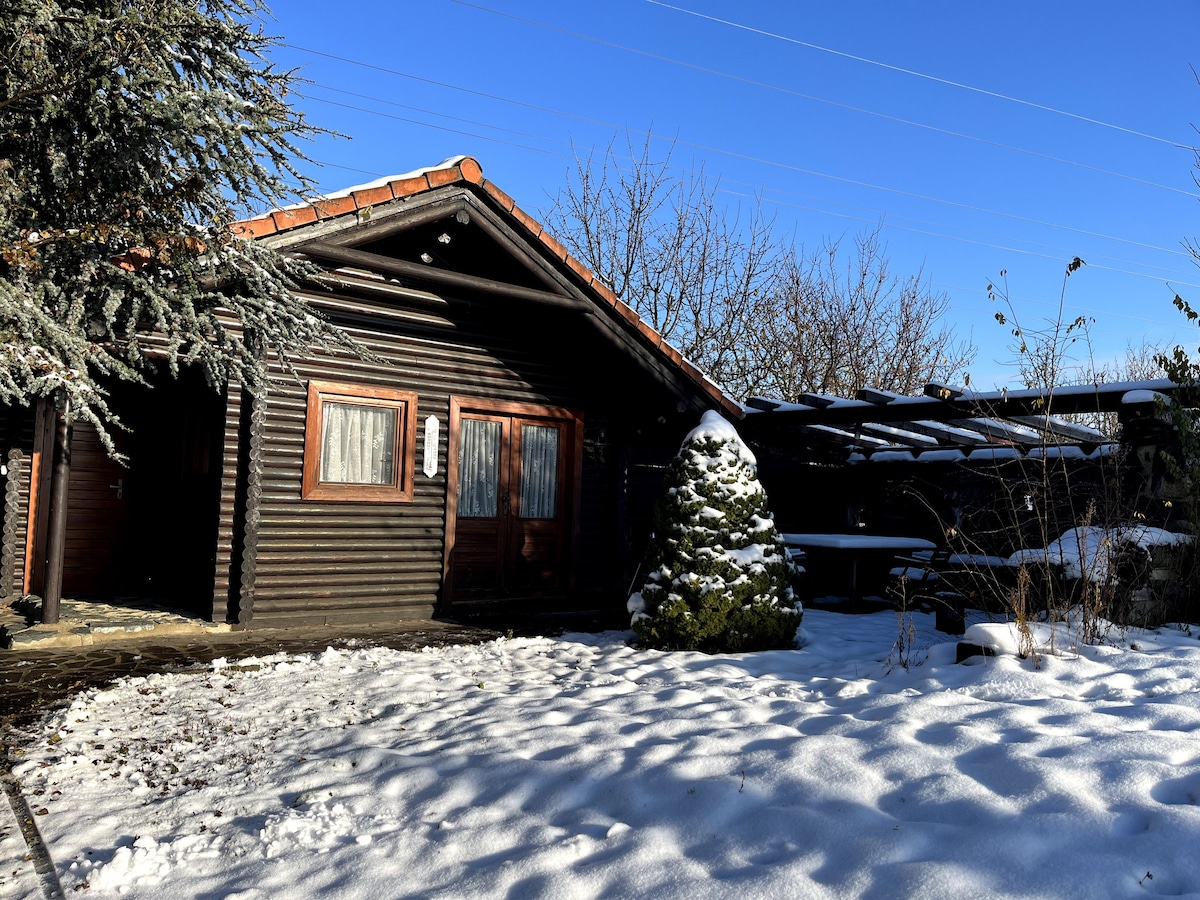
x,y
231,523
332,561
16,439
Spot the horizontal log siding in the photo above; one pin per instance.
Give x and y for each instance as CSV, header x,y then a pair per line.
x,y
229,519
329,561
333,561
18,428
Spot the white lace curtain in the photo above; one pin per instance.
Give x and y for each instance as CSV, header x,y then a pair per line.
x,y
358,443
539,471
478,468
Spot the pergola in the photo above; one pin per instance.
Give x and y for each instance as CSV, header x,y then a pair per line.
x,y
977,424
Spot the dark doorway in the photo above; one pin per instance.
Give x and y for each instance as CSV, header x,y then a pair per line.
x,y
148,530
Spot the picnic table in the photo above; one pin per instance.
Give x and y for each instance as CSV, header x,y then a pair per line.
x,y
836,560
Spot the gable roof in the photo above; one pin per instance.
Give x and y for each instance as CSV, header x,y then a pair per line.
x,y
334,213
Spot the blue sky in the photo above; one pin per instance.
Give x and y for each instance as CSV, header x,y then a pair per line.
x,y
1094,161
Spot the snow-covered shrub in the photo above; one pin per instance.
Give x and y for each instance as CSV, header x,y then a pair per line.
x,y
1126,574
1093,553
719,574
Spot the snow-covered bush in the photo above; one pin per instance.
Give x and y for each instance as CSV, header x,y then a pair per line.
x,y
719,574
1126,574
1093,553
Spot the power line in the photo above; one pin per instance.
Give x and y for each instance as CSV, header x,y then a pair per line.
x,y
1053,304
880,214
1108,314
964,240
707,148
850,108
877,213
471,134
333,165
452,87
925,75
429,112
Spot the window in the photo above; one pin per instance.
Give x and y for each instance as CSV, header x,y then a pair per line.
x,y
359,443
539,471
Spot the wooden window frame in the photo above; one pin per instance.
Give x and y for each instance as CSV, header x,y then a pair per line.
x,y
401,488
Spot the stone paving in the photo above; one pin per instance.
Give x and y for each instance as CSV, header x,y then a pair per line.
x,y
95,644
84,623
32,680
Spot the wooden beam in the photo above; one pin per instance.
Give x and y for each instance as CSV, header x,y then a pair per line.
x,y
346,256
519,251
57,543
943,403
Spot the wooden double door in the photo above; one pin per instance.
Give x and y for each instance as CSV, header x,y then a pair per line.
x,y
512,500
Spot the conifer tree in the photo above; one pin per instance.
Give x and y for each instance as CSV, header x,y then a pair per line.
x,y
133,133
719,571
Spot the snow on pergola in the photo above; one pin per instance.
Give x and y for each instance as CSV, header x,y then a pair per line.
x,y
885,426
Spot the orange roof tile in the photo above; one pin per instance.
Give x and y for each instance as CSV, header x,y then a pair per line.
x,y
255,228
371,196
406,187
333,207
291,218
502,199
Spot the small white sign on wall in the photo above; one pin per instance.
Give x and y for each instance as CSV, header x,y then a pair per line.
x,y
431,447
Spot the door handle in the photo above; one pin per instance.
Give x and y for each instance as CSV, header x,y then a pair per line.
x,y
120,486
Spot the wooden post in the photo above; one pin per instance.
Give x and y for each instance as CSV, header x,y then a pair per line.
x,y
57,524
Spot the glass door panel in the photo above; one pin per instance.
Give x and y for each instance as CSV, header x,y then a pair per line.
x,y
539,471
479,468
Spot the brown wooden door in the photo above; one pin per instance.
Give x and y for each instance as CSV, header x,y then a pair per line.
x,y
512,504
97,515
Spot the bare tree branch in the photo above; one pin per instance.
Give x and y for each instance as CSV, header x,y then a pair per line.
x,y
740,303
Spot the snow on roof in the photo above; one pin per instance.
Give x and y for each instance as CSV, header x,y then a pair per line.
x,y
850,436
1140,395
901,435
941,456
1065,451
892,456
953,431
995,453
1009,429
388,179
1059,425
1062,391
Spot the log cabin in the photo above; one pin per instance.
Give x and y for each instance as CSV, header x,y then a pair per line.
x,y
500,448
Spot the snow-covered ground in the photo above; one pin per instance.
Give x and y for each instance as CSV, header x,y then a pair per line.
x,y
580,767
